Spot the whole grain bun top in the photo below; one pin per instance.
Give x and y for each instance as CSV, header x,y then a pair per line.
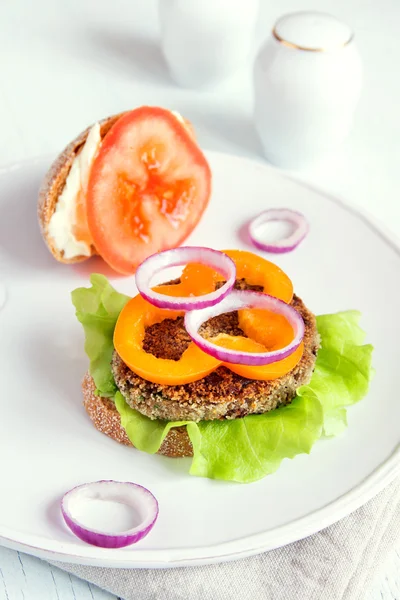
x,y
54,182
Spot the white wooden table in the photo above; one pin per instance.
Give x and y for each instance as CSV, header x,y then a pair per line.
x,y
24,577
64,65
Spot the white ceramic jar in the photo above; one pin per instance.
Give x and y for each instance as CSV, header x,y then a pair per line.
x,y
206,41
307,82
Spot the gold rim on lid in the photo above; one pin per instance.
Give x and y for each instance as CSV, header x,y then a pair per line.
x,y
295,46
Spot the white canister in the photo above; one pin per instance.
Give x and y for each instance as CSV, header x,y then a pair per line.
x,y
307,82
206,41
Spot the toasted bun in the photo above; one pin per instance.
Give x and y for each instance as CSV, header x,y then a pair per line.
x,y
54,182
106,419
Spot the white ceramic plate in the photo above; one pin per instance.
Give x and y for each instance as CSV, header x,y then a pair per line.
x,y
48,445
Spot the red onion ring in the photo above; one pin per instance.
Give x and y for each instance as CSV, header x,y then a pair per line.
x,y
142,502
239,300
279,214
181,256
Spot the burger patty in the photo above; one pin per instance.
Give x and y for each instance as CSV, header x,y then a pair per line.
x,y
220,395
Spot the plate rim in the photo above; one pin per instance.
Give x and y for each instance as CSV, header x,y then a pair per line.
x,y
286,534
257,543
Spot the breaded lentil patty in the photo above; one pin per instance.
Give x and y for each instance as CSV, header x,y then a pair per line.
x,y
222,394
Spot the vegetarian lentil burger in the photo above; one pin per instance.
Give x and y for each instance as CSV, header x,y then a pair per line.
x,y
220,395
152,384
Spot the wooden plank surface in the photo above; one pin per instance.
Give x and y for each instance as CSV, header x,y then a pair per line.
x,y
24,577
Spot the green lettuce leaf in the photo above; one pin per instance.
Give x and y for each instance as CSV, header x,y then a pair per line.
x,y
343,368
145,434
97,308
241,450
246,449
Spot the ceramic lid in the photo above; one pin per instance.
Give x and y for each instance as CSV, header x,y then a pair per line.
x,y
313,31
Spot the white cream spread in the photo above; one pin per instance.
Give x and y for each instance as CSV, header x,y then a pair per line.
x,y
62,221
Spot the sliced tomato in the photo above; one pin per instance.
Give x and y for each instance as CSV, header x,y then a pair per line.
x,y
149,185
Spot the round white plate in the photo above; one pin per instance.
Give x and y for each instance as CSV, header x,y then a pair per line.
x,y
48,444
